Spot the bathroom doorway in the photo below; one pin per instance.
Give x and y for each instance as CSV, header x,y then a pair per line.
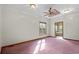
x,y
59,29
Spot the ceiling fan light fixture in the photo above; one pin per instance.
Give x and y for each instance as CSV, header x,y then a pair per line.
x,y
33,6
67,10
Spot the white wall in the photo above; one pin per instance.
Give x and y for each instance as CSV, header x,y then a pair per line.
x,y
71,25
0,25
20,24
53,20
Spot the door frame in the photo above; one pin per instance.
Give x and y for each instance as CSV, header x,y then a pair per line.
x,y
62,27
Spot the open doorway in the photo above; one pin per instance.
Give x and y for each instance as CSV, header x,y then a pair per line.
x,y
59,29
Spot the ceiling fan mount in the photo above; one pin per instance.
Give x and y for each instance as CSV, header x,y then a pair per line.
x,y
51,12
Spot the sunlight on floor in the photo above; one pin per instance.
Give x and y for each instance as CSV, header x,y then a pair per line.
x,y
37,47
59,37
40,46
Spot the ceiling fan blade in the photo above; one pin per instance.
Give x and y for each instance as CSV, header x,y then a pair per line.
x,y
56,12
51,12
45,12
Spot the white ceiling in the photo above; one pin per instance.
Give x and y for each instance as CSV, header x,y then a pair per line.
x,y
26,8
62,8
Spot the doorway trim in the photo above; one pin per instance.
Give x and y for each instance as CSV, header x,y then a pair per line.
x,y
62,28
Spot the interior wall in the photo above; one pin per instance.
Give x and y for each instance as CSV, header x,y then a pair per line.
x,y
53,20
20,24
71,25
0,25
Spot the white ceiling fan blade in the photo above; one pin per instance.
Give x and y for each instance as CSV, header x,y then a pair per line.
x,y
55,11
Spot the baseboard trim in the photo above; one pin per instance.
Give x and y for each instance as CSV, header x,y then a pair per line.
x,y
70,39
25,41
32,40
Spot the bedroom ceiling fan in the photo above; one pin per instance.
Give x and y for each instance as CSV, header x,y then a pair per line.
x,y
51,12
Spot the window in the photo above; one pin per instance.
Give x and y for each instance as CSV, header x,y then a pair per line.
x,y
42,28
